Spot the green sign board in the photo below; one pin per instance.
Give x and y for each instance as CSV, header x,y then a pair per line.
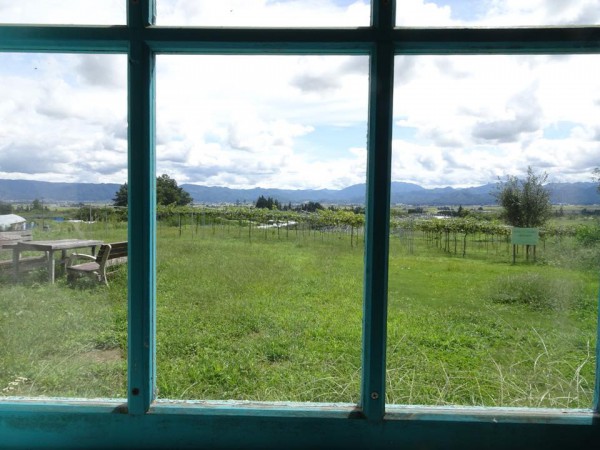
x,y
525,236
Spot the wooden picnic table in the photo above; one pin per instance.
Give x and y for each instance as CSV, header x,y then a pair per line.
x,y
50,247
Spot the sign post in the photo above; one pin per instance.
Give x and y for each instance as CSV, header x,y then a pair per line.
x,y
524,236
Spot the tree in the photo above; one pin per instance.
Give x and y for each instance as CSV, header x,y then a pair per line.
x,y
526,203
6,208
167,193
120,198
311,206
597,177
36,205
267,203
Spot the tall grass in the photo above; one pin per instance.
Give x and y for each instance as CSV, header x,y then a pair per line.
x,y
60,341
471,332
64,340
279,317
272,320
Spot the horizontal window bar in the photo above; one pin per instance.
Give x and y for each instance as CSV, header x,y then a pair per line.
x,y
498,40
10,406
67,425
64,38
254,40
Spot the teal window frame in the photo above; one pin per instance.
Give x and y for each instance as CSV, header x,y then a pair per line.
x,y
141,421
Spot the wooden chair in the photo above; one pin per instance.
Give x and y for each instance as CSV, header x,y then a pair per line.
x,y
98,266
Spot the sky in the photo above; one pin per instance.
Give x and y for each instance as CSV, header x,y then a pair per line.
x,y
300,122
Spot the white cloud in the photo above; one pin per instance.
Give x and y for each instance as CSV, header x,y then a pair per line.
x,y
496,13
491,114
56,124
417,13
269,13
541,12
299,121
106,12
240,121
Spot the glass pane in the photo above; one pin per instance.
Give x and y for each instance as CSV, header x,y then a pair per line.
x,y
474,319
63,156
260,13
253,274
63,12
495,13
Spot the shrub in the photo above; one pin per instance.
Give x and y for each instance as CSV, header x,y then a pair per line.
x,y
537,291
588,235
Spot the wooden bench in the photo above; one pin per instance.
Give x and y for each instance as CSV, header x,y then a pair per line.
x,y
25,264
98,266
8,240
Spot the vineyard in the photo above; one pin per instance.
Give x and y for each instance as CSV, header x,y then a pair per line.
x,y
256,223
456,236
471,236
459,236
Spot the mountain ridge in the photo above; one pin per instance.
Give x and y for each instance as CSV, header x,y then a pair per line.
x,y
20,191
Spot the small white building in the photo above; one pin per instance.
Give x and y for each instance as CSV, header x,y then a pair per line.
x,y
12,222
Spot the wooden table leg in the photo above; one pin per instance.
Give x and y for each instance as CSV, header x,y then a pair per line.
x,y
63,261
51,266
16,255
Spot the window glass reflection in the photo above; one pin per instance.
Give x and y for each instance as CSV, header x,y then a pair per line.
x,y
260,276
63,157
495,13
478,315
258,13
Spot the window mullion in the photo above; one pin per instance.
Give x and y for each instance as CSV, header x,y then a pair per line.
x,y
379,155
596,404
142,213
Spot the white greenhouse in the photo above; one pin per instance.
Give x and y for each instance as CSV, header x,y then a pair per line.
x,y
12,222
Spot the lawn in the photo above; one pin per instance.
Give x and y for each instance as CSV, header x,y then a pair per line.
x,y
279,317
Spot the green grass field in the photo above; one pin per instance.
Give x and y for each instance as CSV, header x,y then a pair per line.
x,y
279,317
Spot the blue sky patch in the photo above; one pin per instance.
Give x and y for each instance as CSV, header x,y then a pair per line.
x,y
559,130
462,9
330,142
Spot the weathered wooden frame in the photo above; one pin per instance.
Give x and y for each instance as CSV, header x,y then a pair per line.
x,y
140,421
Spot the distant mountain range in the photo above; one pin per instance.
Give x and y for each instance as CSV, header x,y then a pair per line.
x,y
404,193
